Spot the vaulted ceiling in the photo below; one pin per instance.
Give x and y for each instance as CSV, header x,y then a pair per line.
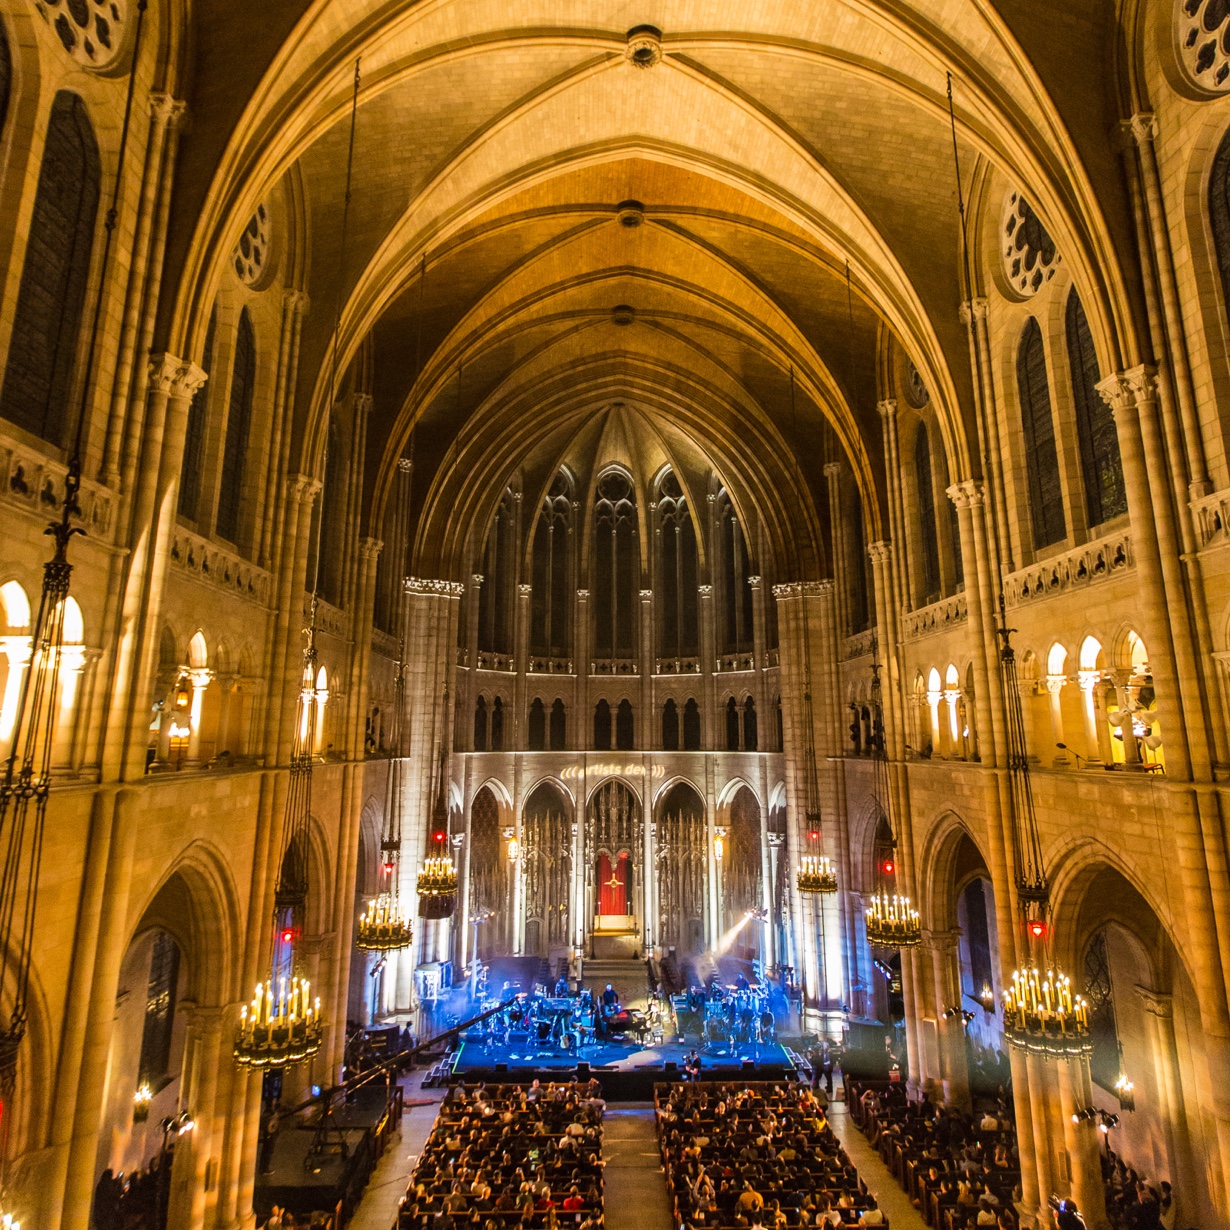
x,y
765,191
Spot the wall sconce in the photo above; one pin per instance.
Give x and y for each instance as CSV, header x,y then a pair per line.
x,y
141,1102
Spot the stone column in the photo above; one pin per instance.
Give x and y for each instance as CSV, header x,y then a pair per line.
x,y
644,720
758,662
898,531
471,677
1181,1162
1089,681
200,679
841,566
708,664
583,716
954,1058
1054,688
81,1104
1081,1141
521,632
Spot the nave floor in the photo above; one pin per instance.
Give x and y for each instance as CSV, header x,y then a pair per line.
x,y
897,1206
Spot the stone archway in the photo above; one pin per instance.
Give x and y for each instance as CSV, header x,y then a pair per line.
x,y
614,867
682,870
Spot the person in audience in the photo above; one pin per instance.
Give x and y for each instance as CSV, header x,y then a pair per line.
x,y
872,1215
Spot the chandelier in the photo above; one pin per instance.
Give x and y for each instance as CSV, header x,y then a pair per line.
x,y
278,1031
816,874
1042,1014
282,1027
892,920
437,879
386,926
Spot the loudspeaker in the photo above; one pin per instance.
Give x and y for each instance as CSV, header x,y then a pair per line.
x,y
670,1068
582,1069
749,1067
501,1068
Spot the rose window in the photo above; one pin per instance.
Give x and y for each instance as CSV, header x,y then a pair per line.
x,y
1203,29
91,31
251,253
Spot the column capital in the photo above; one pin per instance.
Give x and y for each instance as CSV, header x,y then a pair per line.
x,y
516,495
755,582
405,465
705,591
303,488
887,408
967,494
583,594
777,840
1141,127
200,677
1156,1003
1124,391
427,585
646,595
832,469
175,377
525,590
973,309
171,111
942,941
476,579
880,551
1054,683
369,548
295,302
361,402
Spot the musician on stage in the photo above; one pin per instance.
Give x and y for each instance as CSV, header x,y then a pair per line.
x,y
610,1000
741,982
561,987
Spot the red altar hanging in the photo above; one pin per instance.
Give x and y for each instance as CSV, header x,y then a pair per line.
x,y
613,885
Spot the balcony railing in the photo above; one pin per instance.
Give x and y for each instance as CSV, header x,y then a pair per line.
x,y
1076,569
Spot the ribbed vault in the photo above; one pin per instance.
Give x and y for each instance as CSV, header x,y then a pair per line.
x,y
793,165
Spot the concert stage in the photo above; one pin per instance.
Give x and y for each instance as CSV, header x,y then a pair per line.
x,y
626,1070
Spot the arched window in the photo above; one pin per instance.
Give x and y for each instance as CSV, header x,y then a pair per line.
x,y
1105,494
480,725
691,726
50,302
194,438
1041,460
551,603
538,726
625,735
559,727
677,626
616,569
736,595
670,727
497,725
732,725
1219,213
602,726
495,598
238,425
751,736
929,539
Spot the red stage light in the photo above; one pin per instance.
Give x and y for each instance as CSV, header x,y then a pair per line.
x,y
287,936
888,867
1037,929
815,835
440,836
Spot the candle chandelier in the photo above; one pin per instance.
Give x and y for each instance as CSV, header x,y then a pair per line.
x,y
25,776
437,881
386,924
1041,1011
892,920
282,1026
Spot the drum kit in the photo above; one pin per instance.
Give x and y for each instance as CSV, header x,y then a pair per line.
x,y
543,1024
736,1016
